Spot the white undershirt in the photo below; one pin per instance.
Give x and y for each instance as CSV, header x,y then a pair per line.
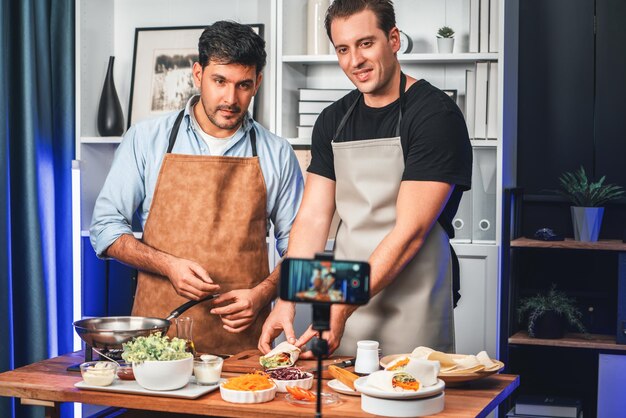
x,y
217,146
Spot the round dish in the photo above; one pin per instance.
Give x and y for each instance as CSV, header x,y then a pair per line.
x,y
337,386
327,399
305,383
361,385
247,396
98,373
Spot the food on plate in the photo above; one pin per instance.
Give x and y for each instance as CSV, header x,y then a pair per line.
x,y
98,373
154,347
125,372
446,361
287,373
249,382
422,352
425,371
393,381
343,375
484,359
301,394
283,355
468,362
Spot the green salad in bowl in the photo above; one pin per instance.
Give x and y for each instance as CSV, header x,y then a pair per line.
x,y
155,347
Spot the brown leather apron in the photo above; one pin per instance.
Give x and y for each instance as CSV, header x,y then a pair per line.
x,y
211,210
416,308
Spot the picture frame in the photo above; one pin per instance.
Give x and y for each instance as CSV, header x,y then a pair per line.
x,y
161,79
451,93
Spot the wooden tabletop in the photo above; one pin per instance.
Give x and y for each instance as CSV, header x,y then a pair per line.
x,y
48,380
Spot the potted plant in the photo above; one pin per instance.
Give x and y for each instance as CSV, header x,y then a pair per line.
x,y
587,199
549,314
445,39
158,362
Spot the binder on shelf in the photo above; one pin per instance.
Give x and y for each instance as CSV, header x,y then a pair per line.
x,y
484,26
462,222
494,14
552,406
470,101
492,101
474,34
305,131
312,107
308,119
480,112
484,195
322,95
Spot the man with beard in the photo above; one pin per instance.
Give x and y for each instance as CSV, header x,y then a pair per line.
x,y
206,182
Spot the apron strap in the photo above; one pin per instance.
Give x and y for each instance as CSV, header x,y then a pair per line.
x,y
174,132
456,278
253,141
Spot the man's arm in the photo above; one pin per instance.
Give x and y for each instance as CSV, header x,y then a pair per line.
x,y
418,207
308,236
188,278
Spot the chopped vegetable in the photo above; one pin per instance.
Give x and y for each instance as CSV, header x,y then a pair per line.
x,y
277,360
405,381
154,347
287,373
250,382
400,365
301,394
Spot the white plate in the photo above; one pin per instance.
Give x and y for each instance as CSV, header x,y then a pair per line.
x,y
337,386
191,391
424,392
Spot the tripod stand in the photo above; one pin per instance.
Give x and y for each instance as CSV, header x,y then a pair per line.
x,y
319,347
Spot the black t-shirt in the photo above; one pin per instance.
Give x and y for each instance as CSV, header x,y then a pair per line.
x,y
433,134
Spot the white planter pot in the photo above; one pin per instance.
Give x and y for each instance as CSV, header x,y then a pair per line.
x,y
445,45
587,223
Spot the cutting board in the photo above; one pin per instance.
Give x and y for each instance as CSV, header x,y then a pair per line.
x,y
248,361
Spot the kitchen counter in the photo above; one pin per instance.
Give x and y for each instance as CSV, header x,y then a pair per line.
x,y
47,383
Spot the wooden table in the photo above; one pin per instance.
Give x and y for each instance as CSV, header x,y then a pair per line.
x,y
47,383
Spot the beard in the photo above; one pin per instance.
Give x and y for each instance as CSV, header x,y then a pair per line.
x,y
221,122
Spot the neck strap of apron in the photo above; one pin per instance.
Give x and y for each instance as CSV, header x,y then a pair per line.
x,y
176,127
353,105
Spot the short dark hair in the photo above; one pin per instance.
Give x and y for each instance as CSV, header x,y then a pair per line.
x,y
228,42
383,9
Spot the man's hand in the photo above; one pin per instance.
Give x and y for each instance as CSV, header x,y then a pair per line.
x,y
279,320
190,280
338,317
241,311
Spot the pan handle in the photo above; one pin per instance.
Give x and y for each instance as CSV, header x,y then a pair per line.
x,y
182,308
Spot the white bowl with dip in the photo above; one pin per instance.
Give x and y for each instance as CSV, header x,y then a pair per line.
x,y
208,369
98,373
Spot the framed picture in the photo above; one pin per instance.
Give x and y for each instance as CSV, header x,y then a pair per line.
x,y
451,93
161,78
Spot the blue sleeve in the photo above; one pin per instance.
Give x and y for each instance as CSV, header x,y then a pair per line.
x,y
288,199
122,193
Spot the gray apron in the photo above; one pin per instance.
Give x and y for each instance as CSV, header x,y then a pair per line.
x,y
417,308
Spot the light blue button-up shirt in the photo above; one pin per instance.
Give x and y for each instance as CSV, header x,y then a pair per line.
x,y
130,184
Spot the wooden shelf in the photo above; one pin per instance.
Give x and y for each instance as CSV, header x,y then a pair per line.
x,y
595,341
404,58
570,244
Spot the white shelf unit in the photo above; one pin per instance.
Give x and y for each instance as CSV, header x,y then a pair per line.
x,y
478,310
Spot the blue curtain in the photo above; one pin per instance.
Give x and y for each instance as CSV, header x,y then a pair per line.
x,y
36,150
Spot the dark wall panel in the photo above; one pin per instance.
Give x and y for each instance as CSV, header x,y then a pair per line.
x,y
555,90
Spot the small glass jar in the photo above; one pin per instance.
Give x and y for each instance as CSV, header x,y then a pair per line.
x,y
208,369
98,373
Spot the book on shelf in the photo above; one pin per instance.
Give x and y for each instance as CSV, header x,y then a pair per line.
x,y
312,107
305,131
513,414
494,38
322,95
492,101
474,31
308,119
551,406
480,108
470,101
484,26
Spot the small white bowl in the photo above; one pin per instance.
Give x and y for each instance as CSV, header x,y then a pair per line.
x,y
98,373
247,396
163,375
306,383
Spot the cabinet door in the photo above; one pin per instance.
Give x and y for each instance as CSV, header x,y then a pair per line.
x,y
556,82
475,317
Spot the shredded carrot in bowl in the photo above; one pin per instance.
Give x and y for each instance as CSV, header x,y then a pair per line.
x,y
249,382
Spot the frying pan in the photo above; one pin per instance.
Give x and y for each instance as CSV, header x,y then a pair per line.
x,y
109,332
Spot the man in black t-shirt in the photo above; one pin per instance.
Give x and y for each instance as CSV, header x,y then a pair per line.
x,y
393,158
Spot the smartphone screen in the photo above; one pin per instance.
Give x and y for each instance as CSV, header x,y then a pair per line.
x,y
325,281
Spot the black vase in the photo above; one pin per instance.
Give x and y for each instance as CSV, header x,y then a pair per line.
x,y
110,117
550,325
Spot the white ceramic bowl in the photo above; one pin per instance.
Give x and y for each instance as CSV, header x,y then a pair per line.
x,y
305,383
245,396
163,375
98,373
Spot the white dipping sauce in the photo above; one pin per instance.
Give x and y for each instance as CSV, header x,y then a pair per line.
x,y
99,375
208,372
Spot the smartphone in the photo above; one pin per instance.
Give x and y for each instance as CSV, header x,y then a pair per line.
x,y
325,281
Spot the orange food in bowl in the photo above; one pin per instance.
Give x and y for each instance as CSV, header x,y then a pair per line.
x,y
249,382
